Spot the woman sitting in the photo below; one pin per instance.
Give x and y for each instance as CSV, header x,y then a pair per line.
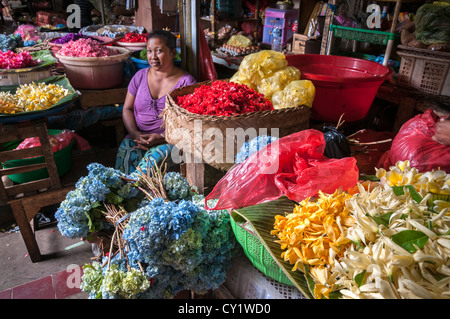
x,y
146,97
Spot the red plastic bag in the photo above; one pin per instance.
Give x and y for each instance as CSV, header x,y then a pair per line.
x,y
292,166
58,141
414,143
207,70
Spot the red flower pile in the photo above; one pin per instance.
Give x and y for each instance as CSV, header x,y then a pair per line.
x,y
134,37
12,60
224,99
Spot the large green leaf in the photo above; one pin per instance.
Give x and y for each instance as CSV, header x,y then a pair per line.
x,y
408,239
262,218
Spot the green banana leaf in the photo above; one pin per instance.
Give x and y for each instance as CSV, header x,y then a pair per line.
x,y
262,217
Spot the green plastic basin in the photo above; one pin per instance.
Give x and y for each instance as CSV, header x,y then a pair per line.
x,y
63,159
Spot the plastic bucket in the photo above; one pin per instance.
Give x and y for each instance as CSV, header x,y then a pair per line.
x,y
95,72
344,85
139,63
133,46
63,160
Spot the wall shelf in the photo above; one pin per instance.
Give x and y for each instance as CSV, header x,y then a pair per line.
x,y
379,37
214,20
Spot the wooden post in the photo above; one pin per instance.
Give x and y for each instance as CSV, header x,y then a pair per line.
x,y
390,43
327,37
195,173
26,231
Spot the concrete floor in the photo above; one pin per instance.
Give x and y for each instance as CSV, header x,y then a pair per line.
x,y
17,268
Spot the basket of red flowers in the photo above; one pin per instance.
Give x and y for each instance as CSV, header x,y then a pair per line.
x,y
209,121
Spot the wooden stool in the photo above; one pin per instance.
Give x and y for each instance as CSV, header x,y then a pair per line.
x,y
27,199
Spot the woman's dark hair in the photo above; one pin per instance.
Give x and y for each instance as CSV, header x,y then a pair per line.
x,y
169,39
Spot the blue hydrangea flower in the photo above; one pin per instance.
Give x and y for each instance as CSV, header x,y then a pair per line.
x,y
249,148
76,217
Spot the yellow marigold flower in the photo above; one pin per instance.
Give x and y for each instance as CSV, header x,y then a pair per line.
x,y
314,230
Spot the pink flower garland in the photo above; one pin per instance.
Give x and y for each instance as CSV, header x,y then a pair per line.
x,y
84,48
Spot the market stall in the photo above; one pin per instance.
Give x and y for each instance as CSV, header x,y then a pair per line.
x,y
277,172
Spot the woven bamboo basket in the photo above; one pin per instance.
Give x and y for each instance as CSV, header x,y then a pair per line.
x,y
213,140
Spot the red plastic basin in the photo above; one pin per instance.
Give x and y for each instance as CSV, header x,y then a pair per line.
x,y
343,85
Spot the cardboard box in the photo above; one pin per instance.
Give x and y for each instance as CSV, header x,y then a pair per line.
x,y
299,43
280,18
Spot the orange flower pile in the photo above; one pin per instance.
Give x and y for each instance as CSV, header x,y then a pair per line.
x,y
314,230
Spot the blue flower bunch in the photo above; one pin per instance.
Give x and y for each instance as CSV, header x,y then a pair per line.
x,y
249,148
113,281
177,187
10,42
169,245
80,212
182,245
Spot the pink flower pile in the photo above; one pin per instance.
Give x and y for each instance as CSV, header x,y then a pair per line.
x,y
12,60
84,48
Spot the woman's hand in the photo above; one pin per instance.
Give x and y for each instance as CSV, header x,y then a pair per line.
x,y
145,141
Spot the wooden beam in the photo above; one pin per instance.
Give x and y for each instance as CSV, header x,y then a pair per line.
x,y
91,98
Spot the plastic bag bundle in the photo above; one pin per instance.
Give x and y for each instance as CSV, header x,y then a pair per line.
x,y
414,142
257,66
432,23
268,73
299,92
292,166
239,40
236,78
337,144
278,81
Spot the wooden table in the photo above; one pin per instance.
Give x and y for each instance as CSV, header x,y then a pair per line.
x,y
92,98
410,100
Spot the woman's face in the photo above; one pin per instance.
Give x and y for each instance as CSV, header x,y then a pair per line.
x,y
158,54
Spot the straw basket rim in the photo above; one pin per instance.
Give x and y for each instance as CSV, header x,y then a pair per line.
x,y
223,118
286,120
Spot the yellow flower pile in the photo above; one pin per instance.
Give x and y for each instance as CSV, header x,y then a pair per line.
x,y
377,242
436,181
8,103
32,97
315,233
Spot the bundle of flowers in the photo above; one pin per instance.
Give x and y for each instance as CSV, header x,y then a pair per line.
x,y
12,60
32,97
253,146
133,37
224,99
84,48
164,243
72,37
387,240
10,42
82,213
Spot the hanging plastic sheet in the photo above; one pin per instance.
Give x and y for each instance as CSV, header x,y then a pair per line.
x,y
207,70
